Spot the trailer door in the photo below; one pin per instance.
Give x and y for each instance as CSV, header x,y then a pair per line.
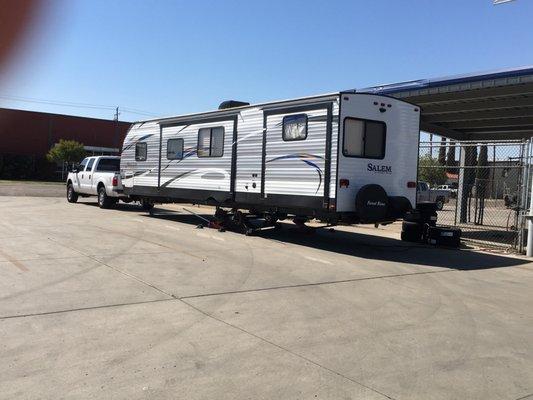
x,y
295,165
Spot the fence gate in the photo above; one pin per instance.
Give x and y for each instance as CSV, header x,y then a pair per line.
x,y
484,186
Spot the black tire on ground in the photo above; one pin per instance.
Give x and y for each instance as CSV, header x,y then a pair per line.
x,y
439,204
408,226
426,207
104,201
412,231
410,237
146,205
412,216
72,196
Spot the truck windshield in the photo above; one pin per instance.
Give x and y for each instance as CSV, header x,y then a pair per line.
x,y
108,165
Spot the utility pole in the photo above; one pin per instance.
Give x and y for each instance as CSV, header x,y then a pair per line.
x,y
115,142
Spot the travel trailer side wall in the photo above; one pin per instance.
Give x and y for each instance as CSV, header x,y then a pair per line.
x,y
343,157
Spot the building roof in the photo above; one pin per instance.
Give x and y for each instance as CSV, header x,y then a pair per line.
x,y
20,111
479,106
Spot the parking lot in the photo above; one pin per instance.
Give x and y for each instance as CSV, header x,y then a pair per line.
x,y
108,304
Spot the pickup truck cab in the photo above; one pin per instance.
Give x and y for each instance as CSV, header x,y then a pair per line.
x,y
96,176
425,193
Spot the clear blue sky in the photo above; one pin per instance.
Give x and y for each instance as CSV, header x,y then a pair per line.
x,y
174,57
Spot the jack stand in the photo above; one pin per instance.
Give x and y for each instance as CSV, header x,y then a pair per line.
x,y
302,227
210,224
245,223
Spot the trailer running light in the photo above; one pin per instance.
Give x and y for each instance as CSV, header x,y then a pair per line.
x,y
115,181
411,184
344,183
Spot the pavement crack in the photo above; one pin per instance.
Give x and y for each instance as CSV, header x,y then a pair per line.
x,y
84,309
368,278
148,241
300,356
116,269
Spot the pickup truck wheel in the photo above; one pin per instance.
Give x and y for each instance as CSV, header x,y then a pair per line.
x,y
104,201
440,204
72,196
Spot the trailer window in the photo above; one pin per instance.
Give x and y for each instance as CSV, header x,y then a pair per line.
x,y
108,165
141,151
174,149
211,142
295,127
364,138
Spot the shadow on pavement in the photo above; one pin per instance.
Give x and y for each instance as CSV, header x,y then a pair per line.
x,y
376,247
131,207
364,245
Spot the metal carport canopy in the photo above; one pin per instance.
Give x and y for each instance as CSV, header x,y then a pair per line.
x,y
495,105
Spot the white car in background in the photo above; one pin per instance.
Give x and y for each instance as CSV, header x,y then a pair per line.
x,y
96,176
451,188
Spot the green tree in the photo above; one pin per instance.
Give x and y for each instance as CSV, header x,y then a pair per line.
x,y
66,151
431,171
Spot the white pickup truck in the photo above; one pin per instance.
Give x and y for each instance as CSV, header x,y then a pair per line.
x,y
96,176
437,196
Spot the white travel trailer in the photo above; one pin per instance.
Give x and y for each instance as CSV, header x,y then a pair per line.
x,y
345,157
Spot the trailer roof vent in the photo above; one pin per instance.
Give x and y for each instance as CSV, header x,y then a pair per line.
x,y
232,104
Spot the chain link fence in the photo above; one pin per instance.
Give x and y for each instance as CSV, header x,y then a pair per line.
x,y
482,187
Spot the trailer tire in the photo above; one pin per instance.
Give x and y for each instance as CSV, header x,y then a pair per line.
x,y
372,203
104,201
72,196
146,205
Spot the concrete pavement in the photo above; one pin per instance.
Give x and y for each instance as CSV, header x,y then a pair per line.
x,y
32,188
116,304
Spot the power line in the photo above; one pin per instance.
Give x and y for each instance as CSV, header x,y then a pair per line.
x,y
135,111
75,104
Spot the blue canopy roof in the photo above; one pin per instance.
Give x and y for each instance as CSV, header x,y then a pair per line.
x,y
450,80
479,106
